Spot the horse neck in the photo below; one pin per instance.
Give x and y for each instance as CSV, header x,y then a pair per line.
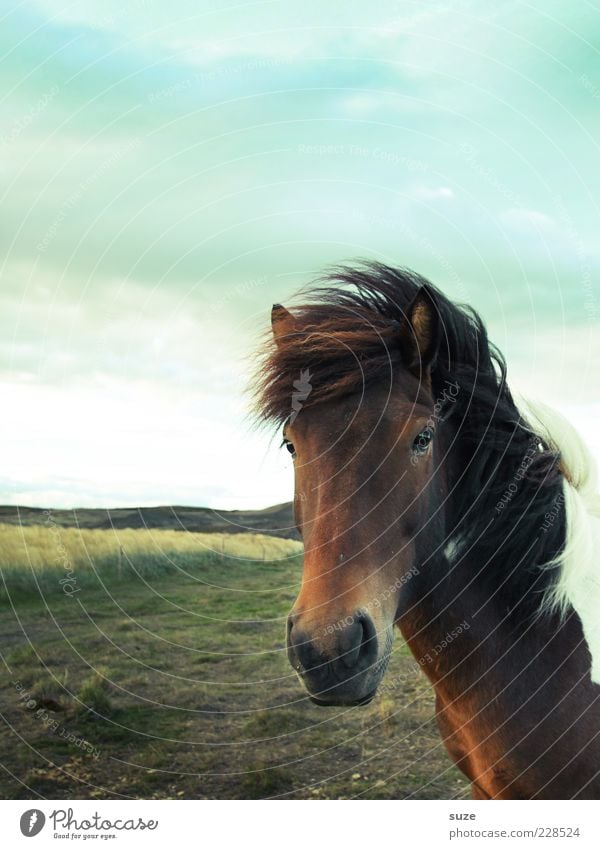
x,y
478,592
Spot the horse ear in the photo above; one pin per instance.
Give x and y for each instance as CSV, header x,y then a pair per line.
x,y
282,322
420,332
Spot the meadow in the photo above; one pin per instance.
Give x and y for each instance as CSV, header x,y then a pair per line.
x,y
151,664
36,559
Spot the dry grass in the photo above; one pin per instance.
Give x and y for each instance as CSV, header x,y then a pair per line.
x,y
39,558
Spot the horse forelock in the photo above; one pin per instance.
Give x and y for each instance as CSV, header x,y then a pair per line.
x,y
340,342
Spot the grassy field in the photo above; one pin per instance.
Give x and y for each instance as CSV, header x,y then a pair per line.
x,y
36,559
158,670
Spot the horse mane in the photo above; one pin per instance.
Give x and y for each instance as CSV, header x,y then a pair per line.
x,y
504,474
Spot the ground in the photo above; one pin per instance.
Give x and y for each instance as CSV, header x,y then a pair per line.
x,y
201,702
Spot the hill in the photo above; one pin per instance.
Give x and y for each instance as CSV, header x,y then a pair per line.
x,y
275,521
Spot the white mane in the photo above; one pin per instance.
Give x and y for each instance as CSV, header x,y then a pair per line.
x,y
577,584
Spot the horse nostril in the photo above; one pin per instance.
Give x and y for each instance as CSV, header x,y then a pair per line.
x,y
351,652
359,644
369,648
302,653
350,644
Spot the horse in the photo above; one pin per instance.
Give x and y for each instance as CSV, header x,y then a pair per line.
x,y
430,500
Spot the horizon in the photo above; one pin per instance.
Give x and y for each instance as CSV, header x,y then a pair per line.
x,y
150,507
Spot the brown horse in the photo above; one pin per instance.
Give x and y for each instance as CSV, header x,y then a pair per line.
x,y
427,500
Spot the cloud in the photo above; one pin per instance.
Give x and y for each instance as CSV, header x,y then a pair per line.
x,y
529,219
123,441
428,193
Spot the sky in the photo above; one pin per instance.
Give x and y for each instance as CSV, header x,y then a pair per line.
x,y
168,171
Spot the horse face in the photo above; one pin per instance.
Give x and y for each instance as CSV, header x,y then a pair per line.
x,y
363,490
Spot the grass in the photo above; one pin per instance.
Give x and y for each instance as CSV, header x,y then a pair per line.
x,y
49,559
172,682
94,694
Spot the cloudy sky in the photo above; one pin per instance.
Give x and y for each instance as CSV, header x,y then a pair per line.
x,y
170,170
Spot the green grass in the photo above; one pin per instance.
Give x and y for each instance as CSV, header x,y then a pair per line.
x,y
178,686
94,694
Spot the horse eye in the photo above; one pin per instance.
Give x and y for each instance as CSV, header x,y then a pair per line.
x,y
290,447
422,440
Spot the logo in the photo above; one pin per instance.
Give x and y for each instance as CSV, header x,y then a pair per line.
x,y
32,822
303,388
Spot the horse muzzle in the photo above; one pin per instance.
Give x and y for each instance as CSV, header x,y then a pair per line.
x,y
339,663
